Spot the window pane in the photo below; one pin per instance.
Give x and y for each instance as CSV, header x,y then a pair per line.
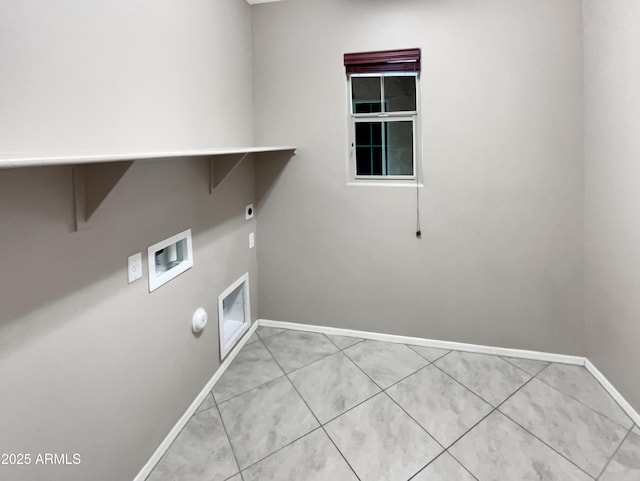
x,y
365,94
384,148
363,133
376,161
399,143
363,161
369,148
400,93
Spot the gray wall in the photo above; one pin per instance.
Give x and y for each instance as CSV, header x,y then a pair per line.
x,y
88,363
612,197
500,259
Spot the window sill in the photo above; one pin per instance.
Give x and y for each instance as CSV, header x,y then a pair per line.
x,y
387,183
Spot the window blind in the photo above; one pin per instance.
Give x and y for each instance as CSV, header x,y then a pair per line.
x,y
405,60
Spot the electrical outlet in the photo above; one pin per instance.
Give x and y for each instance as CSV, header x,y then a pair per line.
x,y
252,240
134,267
248,211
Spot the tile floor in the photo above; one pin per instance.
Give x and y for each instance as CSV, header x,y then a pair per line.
x,y
300,406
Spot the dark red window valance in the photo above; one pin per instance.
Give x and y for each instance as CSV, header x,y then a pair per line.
x,y
406,60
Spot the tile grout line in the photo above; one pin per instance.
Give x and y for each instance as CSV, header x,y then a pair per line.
x,y
405,377
552,358
413,419
402,409
353,407
280,448
290,443
342,348
384,390
462,464
547,444
445,449
427,465
231,477
321,426
465,386
285,375
305,365
549,363
226,433
269,335
586,405
489,403
173,442
204,410
254,387
411,346
505,358
235,396
497,408
494,409
278,364
399,380
606,465
532,434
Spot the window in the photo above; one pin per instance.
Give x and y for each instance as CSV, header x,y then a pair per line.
x,y
384,112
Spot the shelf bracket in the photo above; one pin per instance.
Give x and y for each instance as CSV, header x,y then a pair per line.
x,y
92,184
221,166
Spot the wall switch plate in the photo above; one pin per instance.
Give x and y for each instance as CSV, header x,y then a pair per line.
x,y
252,240
248,211
134,267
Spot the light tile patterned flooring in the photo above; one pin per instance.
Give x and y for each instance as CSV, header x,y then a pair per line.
x,y
300,406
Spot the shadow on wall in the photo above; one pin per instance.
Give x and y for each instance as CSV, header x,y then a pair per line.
x,y
268,171
44,261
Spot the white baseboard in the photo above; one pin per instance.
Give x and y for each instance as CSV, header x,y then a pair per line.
x,y
182,422
626,407
418,341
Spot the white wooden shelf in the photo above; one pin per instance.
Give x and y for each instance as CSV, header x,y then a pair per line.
x,y
16,161
95,175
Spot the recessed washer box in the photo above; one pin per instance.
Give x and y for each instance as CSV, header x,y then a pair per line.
x,y
234,314
169,258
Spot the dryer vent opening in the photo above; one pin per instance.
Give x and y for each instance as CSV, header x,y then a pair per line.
x,y
234,314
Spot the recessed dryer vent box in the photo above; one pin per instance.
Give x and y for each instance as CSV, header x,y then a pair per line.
x,y
169,258
234,315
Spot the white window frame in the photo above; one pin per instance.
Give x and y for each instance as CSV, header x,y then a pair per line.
x,y
354,118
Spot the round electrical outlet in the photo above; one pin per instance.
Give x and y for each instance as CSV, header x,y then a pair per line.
x,y
199,320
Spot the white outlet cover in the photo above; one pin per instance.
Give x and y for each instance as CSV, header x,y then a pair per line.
x,y
252,240
134,267
248,211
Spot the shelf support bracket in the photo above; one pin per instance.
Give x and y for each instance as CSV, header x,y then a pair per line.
x,y
92,184
221,166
